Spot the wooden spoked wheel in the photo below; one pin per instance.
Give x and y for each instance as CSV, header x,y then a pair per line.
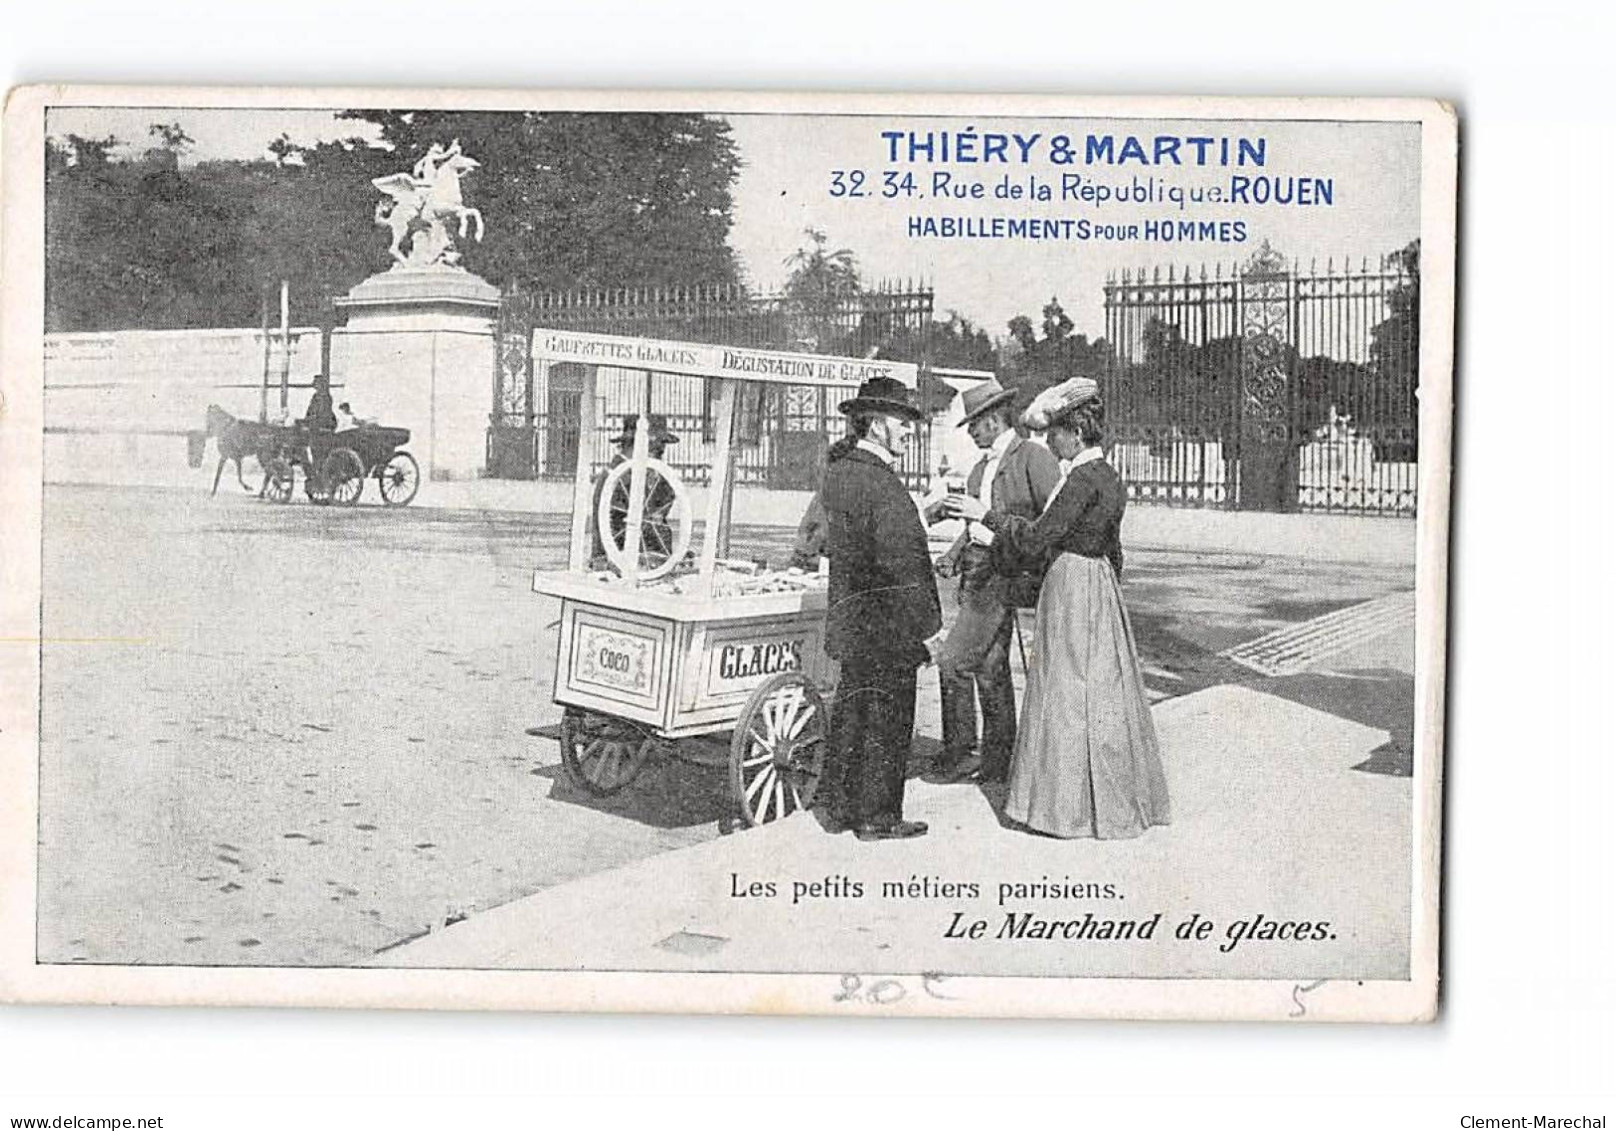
x,y
399,478
778,751
344,475
664,541
277,486
601,755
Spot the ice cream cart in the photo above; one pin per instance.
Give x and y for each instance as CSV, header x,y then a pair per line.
x,y
665,642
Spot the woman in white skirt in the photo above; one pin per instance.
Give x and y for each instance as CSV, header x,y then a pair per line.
x,y
1087,763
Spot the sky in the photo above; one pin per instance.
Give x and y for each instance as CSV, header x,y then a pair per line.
x,y
786,186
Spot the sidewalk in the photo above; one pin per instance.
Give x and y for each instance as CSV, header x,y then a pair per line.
x,y
1269,819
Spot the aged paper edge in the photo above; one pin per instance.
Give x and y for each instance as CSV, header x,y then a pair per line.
x,y
21,487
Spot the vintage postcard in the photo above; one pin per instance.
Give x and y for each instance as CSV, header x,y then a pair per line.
x,y
906,555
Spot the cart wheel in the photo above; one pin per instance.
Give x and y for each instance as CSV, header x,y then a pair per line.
x,y
277,487
399,478
344,475
601,755
778,750
663,545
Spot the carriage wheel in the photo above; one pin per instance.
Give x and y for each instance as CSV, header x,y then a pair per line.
x,y
344,476
277,486
399,478
601,755
659,553
778,750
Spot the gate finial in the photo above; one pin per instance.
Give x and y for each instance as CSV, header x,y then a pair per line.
x,y
1265,261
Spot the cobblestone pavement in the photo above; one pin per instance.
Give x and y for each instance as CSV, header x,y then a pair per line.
x,y
290,735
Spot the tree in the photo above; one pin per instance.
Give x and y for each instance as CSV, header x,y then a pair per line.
x,y
583,200
823,285
818,274
1035,363
953,343
285,151
571,200
171,136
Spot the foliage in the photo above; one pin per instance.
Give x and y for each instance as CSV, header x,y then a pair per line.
x,y
818,274
953,343
1037,362
571,200
1179,388
821,289
585,200
825,288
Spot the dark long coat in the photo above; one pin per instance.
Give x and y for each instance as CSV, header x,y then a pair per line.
x,y
883,592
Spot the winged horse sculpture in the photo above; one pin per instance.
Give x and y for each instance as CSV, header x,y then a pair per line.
x,y
420,205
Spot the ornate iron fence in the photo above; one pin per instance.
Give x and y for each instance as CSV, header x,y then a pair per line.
x,y
1271,386
781,431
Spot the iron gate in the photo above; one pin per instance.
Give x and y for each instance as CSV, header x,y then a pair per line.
x,y
1269,387
513,425
782,432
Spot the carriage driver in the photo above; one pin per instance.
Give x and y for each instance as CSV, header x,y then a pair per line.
x,y
320,416
319,422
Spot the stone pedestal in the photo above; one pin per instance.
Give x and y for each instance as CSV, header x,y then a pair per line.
x,y
417,351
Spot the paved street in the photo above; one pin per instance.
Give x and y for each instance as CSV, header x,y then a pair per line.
x,y
295,735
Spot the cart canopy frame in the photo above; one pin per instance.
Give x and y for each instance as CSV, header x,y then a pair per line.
x,y
727,365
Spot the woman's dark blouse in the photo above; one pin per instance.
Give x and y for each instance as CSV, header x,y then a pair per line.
x,y
1084,518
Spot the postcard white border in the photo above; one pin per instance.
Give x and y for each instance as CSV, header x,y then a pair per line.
x,y
21,434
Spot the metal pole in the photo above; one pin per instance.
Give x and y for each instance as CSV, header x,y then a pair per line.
x,y
328,327
286,343
263,391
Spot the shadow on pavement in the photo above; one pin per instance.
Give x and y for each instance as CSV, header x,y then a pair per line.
x,y
669,793
1379,698
674,791
1383,699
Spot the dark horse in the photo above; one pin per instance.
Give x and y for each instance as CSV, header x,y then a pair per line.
x,y
238,439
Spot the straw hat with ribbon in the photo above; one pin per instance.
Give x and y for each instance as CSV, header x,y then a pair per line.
x,y
1058,400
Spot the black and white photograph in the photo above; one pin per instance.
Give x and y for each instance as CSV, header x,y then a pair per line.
x,y
933,556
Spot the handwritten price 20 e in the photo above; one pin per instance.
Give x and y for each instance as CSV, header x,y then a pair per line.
x,y
888,991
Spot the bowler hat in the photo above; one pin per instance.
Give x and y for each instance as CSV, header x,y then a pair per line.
x,y
983,398
884,396
659,429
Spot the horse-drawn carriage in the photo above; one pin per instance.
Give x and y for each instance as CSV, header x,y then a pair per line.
x,y
335,465
674,647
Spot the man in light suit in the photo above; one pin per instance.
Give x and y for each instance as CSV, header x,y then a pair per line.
x,y
1013,476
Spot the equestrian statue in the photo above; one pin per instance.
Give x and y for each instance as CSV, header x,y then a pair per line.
x,y
422,202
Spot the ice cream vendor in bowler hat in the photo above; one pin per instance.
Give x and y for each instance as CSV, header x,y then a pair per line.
x,y
883,609
1013,476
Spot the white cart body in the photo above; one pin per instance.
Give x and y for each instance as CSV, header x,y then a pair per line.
x,y
672,665
680,666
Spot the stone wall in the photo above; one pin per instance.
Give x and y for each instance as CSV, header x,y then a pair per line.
x,y
118,405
